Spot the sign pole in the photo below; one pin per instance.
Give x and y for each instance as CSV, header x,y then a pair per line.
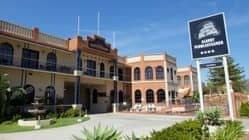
x,y
200,84
230,104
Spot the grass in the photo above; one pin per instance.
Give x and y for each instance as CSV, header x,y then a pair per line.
x,y
10,127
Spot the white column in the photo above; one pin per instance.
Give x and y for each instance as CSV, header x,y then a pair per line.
x,y
200,85
230,104
166,82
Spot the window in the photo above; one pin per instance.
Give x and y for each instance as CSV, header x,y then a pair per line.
x,y
81,64
160,96
149,96
51,61
111,71
179,80
120,74
91,67
30,93
186,80
95,96
138,96
148,73
102,70
30,58
159,72
120,97
6,54
50,95
137,73
171,74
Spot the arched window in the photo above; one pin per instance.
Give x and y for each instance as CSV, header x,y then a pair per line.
x,y
160,96
138,97
179,80
111,71
159,72
95,96
186,80
120,74
81,64
149,96
120,96
171,74
148,73
51,61
30,93
102,70
137,73
50,95
6,54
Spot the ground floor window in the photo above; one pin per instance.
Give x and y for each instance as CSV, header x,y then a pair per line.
x,y
120,97
95,96
160,95
138,96
50,95
149,96
30,93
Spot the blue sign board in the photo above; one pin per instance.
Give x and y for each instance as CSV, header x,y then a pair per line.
x,y
208,37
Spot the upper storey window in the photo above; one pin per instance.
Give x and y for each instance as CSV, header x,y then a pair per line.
x,y
91,67
30,58
102,70
51,61
148,73
137,73
6,54
159,72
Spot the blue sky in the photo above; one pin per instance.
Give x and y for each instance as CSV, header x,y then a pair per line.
x,y
140,26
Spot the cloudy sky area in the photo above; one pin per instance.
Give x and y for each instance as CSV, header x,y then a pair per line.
x,y
140,26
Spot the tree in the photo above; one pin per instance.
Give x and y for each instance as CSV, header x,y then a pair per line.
x,y
6,92
236,75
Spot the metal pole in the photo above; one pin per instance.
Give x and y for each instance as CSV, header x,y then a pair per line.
x,y
230,104
200,85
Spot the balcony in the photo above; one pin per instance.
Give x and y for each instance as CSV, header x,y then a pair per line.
x,y
32,64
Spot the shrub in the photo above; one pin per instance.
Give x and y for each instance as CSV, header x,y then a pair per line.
x,y
16,117
73,113
233,130
100,134
187,130
209,117
244,110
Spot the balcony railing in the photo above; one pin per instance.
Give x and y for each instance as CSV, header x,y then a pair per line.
x,y
52,40
15,29
9,60
27,33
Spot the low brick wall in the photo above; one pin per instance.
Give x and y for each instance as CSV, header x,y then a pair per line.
x,y
221,101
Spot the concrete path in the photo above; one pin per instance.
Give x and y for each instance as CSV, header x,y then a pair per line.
x,y
140,124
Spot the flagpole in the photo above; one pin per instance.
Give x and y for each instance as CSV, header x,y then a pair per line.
x,y
98,23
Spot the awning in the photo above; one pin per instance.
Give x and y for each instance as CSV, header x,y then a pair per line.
x,y
184,92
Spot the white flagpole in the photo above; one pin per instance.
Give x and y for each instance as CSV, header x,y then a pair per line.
x,y
98,23
113,39
78,26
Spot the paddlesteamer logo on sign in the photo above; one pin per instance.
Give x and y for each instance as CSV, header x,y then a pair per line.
x,y
208,37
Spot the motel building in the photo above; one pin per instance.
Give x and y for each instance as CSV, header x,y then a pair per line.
x,y
88,71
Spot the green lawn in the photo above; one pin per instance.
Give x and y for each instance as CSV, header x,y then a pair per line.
x,y
8,127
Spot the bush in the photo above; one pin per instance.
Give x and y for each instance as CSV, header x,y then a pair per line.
x,y
187,130
244,110
209,117
73,113
233,130
100,134
16,117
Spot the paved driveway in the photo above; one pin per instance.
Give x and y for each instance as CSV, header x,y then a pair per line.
x,y
140,124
